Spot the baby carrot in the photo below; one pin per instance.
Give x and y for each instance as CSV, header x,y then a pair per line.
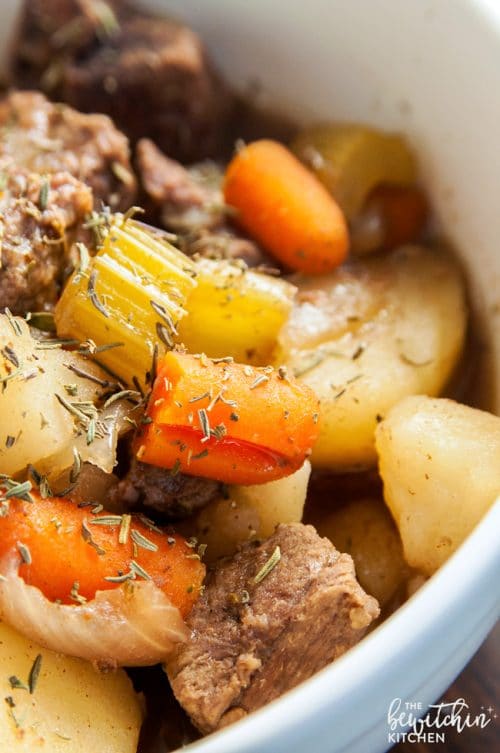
x,y
69,553
227,421
285,207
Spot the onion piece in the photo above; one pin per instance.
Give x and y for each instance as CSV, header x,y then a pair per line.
x,y
133,625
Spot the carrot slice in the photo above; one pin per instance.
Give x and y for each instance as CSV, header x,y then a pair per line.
x,y
227,421
70,553
286,208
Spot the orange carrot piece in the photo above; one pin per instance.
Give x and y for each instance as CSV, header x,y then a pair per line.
x,y
67,544
403,210
227,421
286,208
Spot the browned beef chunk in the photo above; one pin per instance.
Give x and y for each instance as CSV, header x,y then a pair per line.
x,y
151,75
48,138
175,496
54,32
189,202
38,217
255,635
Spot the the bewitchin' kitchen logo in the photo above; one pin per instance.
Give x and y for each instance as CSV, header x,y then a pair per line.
x,y
406,726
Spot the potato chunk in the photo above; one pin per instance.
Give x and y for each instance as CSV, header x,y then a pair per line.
x,y
440,463
364,529
251,512
375,331
72,709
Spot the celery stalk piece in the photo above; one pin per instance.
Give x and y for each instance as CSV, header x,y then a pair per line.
x,y
352,159
132,292
235,312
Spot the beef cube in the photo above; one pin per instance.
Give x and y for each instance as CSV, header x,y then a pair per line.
x,y
189,202
47,138
151,75
39,216
174,495
269,618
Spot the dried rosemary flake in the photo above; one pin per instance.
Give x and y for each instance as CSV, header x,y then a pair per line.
x,y
12,375
200,455
87,537
201,550
56,343
10,355
107,520
61,735
90,377
163,314
175,468
142,541
76,467
44,488
73,594
94,298
21,491
268,566
259,380
199,397
91,431
17,684
219,431
119,578
16,327
24,552
138,570
132,395
84,261
43,197
34,673
164,335
9,441
204,422
124,531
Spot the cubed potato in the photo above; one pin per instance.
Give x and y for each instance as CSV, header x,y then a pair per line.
x,y
364,529
35,428
368,335
440,463
73,708
251,512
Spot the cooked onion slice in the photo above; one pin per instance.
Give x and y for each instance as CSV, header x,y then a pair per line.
x,y
132,625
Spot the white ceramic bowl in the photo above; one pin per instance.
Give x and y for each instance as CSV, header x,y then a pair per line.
x,y
431,69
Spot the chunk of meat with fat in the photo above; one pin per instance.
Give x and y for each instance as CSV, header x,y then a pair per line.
x,y
258,631
189,201
48,138
174,495
151,75
38,218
